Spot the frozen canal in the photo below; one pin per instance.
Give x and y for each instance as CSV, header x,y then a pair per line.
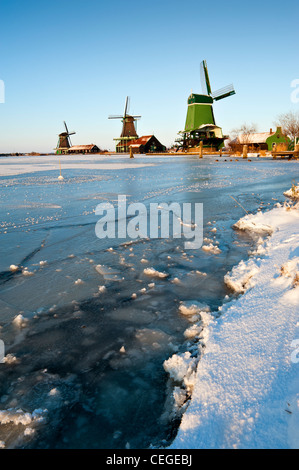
x,y
85,344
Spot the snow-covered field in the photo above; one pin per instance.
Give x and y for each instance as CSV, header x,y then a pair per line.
x,y
245,389
21,165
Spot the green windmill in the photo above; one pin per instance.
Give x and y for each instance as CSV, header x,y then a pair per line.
x,y
200,121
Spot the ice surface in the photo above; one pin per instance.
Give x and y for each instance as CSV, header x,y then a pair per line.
x,y
101,342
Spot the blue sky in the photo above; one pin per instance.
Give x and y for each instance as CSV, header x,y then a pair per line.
x,y
77,60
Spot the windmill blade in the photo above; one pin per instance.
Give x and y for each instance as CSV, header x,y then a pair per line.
x,y
126,107
136,117
129,103
204,77
66,127
71,133
223,93
115,117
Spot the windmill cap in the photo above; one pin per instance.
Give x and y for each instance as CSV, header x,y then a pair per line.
x,y
194,98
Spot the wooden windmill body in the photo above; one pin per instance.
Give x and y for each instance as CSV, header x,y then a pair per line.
x,y
128,133
64,141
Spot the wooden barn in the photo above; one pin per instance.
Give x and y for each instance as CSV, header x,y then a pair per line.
x,y
85,149
147,144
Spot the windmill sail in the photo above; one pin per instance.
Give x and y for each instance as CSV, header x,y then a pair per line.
x,y
204,77
126,106
223,92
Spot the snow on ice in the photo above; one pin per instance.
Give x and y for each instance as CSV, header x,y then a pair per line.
x,y
245,387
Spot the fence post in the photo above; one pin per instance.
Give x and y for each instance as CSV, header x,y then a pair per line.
x,y
201,149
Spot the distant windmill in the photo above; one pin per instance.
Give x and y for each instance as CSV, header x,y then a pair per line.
x,y
129,132
200,121
64,141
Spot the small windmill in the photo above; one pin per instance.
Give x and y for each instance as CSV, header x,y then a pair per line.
x,y
200,122
128,132
64,141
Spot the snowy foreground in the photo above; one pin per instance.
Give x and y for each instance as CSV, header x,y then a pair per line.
x,y
245,387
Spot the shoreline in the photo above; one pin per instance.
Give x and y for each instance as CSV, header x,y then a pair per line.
x,y
245,385
35,164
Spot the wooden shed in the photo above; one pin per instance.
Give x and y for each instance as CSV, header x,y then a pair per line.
x,y
147,144
84,149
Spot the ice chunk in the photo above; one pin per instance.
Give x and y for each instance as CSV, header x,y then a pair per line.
x,y
20,321
10,359
240,278
181,368
13,267
154,273
25,272
211,249
108,273
18,416
251,223
193,307
193,331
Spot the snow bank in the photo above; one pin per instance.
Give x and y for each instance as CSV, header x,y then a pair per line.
x,y
246,386
181,367
241,277
254,224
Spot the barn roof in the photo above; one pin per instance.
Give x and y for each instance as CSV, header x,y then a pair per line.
x,y
255,138
141,140
82,147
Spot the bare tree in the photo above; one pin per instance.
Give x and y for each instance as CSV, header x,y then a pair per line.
x,y
245,130
289,122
